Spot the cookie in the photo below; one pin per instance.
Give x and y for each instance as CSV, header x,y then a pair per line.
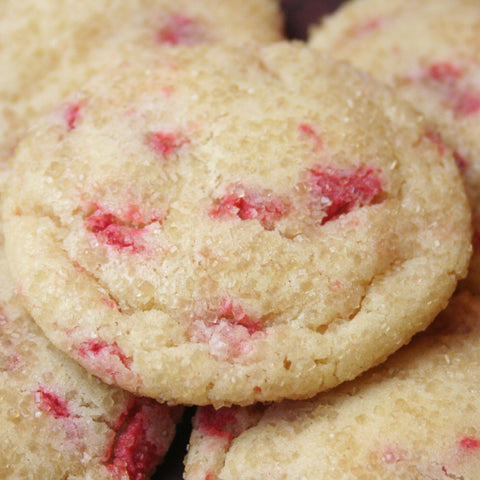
x,y
57,421
50,47
231,224
437,69
415,417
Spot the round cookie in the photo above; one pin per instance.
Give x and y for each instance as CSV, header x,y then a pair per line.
x,y
57,421
50,47
415,417
225,225
429,51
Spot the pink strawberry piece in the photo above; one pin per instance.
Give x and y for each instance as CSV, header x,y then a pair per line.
x,y
442,147
307,130
107,227
461,161
444,72
437,139
51,403
228,332
166,143
122,233
109,303
338,192
236,315
71,115
217,423
470,443
463,102
250,204
180,29
94,349
138,445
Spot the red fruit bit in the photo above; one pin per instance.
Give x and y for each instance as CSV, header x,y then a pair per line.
x,y
236,315
444,72
308,131
442,147
180,29
464,103
461,161
248,204
461,101
51,403
220,423
228,332
340,191
437,139
119,236
122,233
138,444
470,443
166,143
98,349
109,303
71,114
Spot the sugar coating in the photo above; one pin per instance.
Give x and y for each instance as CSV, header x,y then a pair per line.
x,y
251,263
49,48
57,421
416,416
436,68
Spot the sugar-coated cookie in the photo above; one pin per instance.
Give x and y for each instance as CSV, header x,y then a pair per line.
x,y
58,421
415,417
225,225
50,47
429,51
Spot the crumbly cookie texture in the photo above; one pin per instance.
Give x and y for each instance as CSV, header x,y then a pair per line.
x,y
416,416
223,225
50,47
429,51
58,421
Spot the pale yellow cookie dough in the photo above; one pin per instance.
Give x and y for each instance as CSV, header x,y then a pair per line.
x,y
225,225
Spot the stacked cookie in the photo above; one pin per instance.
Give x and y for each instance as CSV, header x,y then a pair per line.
x,y
416,415
227,224
57,420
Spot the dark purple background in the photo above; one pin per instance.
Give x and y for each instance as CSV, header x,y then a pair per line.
x,y
299,14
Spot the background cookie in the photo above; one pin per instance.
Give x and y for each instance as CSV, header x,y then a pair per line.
x,y
57,421
50,47
430,52
201,232
414,417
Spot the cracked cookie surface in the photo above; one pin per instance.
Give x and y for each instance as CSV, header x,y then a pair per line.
x,y
437,69
225,225
415,416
